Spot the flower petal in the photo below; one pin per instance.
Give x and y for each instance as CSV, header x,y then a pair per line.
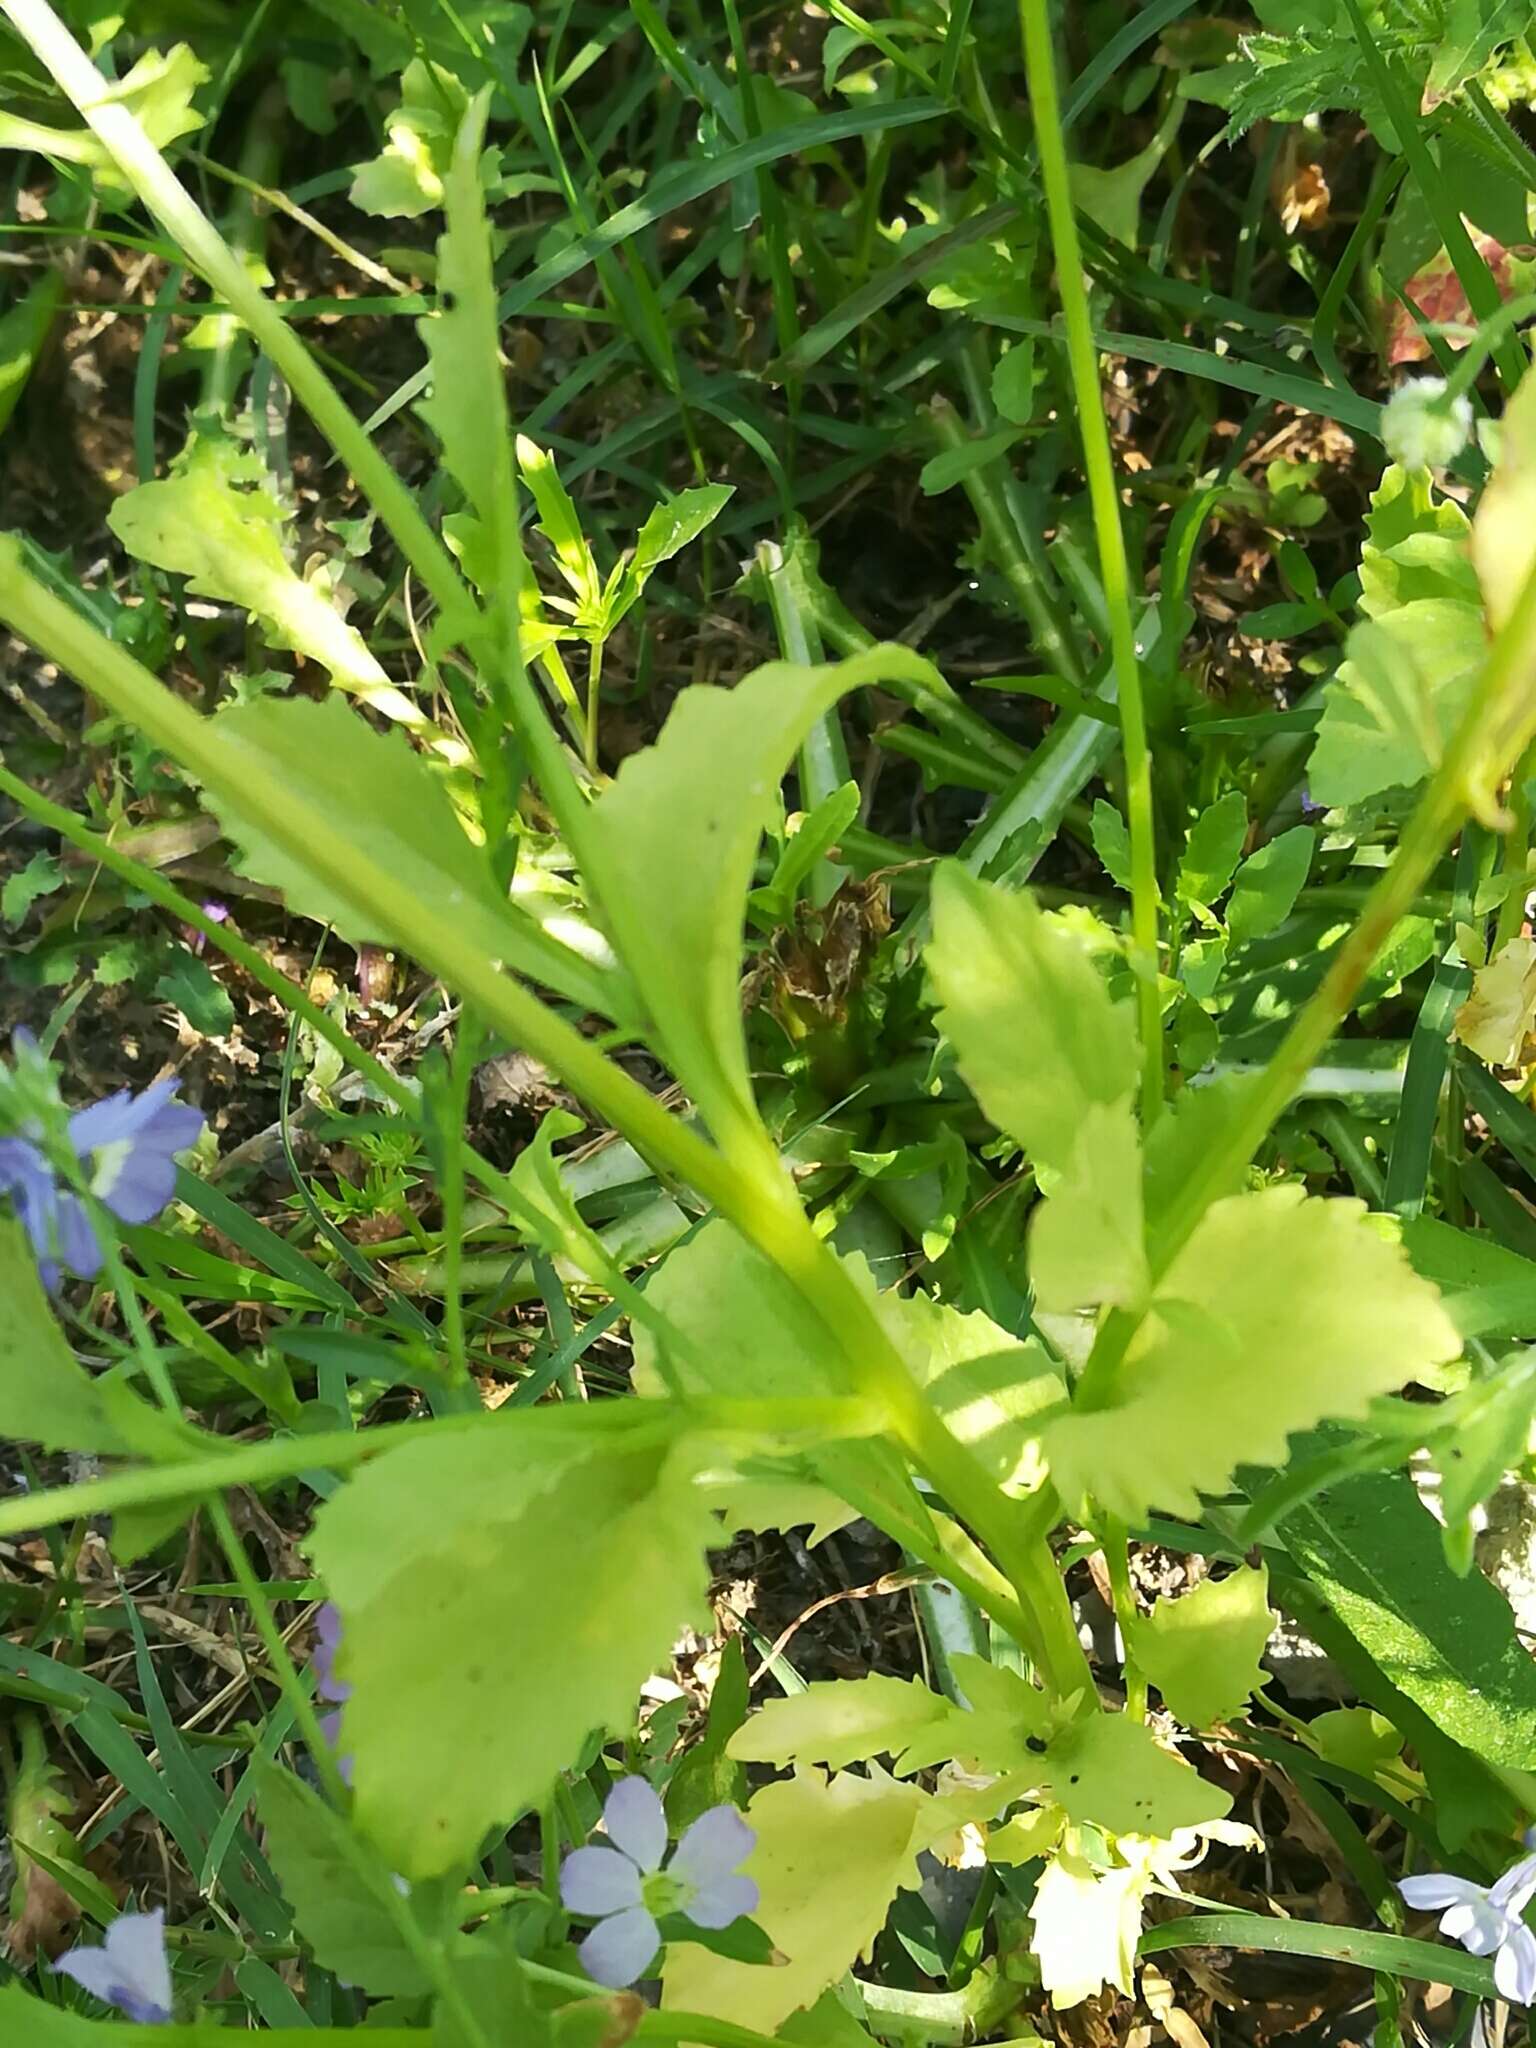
x,y
136,1943
597,1880
1516,1888
77,1243
617,1950
1439,1888
323,1657
723,1900
635,1822
1476,1924
712,1847
1514,1967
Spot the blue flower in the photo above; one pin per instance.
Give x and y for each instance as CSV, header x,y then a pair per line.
x,y
328,1687
130,1970
126,1146
625,1889
1487,1921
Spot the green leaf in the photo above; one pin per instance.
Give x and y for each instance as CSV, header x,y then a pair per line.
x,y
1110,1772
1085,1239
951,466
1013,383
1374,1555
407,177
667,531
1400,690
24,2018
1496,1019
1213,850
708,1775
189,983
839,1722
830,1857
45,1397
717,768
1504,531
1039,1038
500,1597
1487,1290
42,875
1483,1436
467,405
1268,883
1202,1650
734,1321
215,521
1112,843
399,815
24,329
1281,1310
340,1911
558,519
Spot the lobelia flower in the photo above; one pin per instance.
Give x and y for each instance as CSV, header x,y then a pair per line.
x,y
126,1145
130,1970
1487,1921
328,1686
625,1889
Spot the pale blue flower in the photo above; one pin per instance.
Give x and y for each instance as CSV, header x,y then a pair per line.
x,y
626,1890
130,1970
335,1691
126,1146
1487,1921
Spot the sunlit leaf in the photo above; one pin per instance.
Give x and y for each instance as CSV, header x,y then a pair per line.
x,y
1496,1019
1202,1650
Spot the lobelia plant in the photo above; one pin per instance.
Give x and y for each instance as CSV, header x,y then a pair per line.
x,y
1203,1342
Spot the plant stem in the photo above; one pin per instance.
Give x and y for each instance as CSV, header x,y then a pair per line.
x,y
210,255
1114,571
1497,726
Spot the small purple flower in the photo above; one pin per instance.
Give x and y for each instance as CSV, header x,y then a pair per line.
x,y
217,912
130,1970
626,1891
327,1685
126,1145
1487,1921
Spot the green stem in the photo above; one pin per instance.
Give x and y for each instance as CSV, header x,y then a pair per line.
x,y
210,255
1114,570
1497,726
1117,1555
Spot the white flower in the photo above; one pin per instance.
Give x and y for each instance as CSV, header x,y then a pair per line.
x,y
1487,1921
1422,427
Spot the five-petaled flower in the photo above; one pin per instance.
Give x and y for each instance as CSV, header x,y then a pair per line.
x,y
625,1889
130,1970
126,1146
1487,1921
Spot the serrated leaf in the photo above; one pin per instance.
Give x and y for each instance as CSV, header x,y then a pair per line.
x,y
1268,883
340,1913
42,875
215,521
666,532
407,177
1112,843
718,763
1401,688
399,815
1496,1019
1087,1924
1039,1037
1202,1650
1213,849
1281,1310
189,983
869,1832
498,1607
838,1722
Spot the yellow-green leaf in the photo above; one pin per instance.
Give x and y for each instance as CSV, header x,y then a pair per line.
x,y
839,1722
1280,1312
1113,1773
1202,1650
1495,1020
1086,1238
501,1594
1504,530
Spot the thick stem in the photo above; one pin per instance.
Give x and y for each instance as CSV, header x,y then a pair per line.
x,y
1114,570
